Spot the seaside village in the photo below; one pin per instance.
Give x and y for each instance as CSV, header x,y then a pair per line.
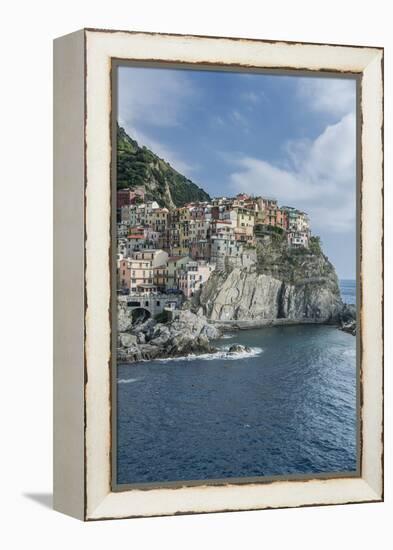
x,y
166,255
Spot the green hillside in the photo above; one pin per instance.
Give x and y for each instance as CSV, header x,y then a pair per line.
x,y
139,167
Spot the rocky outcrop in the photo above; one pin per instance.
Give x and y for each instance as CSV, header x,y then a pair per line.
x,y
348,319
298,286
187,333
238,348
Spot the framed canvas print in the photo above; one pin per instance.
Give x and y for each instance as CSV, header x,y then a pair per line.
x,y
218,274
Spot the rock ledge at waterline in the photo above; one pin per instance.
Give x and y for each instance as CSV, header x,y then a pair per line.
x,y
283,287
187,333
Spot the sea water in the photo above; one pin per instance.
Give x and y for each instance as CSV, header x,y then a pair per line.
x,y
348,291
288,406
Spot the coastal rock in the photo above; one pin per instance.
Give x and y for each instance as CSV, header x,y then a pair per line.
x,y
249,296
127,340
187,333
124,317
182,344
349,327
133,353
348,313
348,319
210,331
160,335
298,286
189,323
238,348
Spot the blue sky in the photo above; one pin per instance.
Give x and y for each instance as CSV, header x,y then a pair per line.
x,y
291,138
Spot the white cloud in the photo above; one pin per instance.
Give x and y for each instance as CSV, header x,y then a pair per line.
x,y
250,97
334,96
154,97
238,118
217,121
319,176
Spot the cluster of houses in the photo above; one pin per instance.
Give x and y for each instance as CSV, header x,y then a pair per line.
x,y
175,250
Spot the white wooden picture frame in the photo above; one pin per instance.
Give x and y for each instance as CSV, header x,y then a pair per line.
x,y
83,405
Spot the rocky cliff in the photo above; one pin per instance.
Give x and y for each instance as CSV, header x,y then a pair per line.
x,y
293,285
139,167
186,333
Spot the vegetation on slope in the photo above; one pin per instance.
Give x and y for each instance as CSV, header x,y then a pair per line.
x,y
139,167
293,265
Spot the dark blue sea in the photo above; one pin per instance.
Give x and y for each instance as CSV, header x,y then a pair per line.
x,y
348,291
287,407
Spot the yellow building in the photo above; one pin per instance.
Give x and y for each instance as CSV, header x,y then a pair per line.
x,y
158,219
246,220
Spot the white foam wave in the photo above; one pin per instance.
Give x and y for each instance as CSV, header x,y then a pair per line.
x,y
227,336
350,352
127,380
221,354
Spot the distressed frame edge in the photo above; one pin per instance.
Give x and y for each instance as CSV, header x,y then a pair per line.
x,y
372,268
375,494
101,512
235,38
121,63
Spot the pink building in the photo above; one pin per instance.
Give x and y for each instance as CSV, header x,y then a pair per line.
x,y
242,196
137,271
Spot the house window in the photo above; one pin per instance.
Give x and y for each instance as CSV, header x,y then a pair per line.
x,y
158,303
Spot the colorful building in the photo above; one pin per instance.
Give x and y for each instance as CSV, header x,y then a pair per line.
x,y
138,270
297,239
174,265
223,232
246,220
125,197
193,276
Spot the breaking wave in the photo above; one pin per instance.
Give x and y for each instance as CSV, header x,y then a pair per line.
x,y
223,353
127,380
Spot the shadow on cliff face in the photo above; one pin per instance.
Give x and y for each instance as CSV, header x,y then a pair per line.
x,y
299,284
